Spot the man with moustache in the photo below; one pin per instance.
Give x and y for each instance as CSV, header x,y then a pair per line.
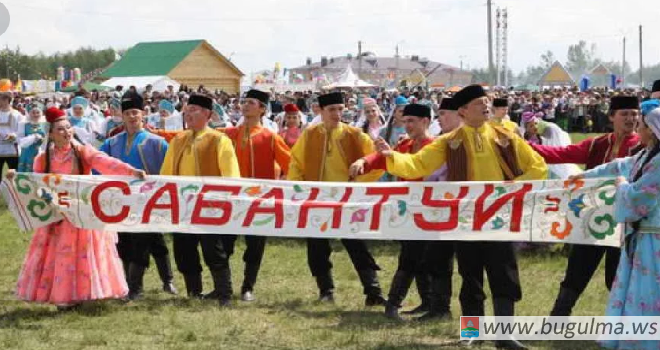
x,y
477,151
583,260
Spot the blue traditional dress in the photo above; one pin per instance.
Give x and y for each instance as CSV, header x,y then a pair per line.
x,y
172,122
636,288
111,124
87,127
146,151
29,143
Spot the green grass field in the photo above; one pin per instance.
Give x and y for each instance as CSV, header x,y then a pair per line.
x,y
579,137
285,315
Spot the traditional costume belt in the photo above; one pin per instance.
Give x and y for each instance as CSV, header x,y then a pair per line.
x,y
649,229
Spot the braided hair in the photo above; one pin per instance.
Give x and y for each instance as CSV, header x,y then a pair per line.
x,y
76,155
640,171
630,239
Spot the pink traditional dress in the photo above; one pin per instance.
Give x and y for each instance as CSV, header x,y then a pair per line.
x,y
291,135
66,265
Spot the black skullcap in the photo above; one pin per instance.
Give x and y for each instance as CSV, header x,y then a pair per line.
x,y
333,98
656,86
623,102
264,97
447,104
500,102
467,94
131,100
201,100
417,110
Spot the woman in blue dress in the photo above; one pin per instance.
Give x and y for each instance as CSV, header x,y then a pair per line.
x,y
636,288
30,138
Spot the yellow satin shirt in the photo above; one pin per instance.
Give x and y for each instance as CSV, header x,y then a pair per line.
x,y
225,152
483,159
335,168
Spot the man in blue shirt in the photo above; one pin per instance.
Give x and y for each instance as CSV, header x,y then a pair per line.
x,y
143,150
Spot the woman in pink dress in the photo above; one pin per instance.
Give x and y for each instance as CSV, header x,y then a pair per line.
x,y
65,265
292,128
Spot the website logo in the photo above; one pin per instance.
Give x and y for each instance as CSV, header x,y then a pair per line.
x,y
469,327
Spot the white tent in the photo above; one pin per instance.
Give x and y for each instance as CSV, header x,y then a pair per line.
x,y
348,79
159,83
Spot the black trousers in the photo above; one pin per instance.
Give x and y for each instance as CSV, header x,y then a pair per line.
x,y
438,261
252,257
411,256
319,250
146,244
214,250
499,261
12,162
125,247
583,260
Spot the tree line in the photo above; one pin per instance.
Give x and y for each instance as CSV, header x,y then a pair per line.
x,y
15,64
581,58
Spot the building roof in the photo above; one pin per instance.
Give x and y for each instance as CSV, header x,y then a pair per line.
x,y
600,69
380,63
156,58
557,75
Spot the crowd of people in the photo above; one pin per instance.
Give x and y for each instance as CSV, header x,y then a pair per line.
x,y
412,135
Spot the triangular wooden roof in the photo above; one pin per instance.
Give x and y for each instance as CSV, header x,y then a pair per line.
x,y
600,69
557,75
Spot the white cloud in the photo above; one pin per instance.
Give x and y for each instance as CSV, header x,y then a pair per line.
x,y
260,33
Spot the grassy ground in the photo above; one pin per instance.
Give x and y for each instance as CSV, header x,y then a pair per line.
x,y
579,137
284,316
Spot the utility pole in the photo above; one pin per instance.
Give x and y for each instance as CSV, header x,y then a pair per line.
x,y
359,58
641,62
505,46
490,42
623,63
498,47
396,56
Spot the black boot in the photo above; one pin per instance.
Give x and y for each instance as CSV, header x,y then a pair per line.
x,y
565,302
135,281
249,280
222,289
423,282
371,287
226,291
165,272
473,309
505,307
440,299
398,289
193,285
326,288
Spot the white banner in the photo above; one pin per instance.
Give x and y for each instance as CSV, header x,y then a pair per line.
x,y
536,211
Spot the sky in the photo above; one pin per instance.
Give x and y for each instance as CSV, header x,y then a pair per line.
x,y
257,34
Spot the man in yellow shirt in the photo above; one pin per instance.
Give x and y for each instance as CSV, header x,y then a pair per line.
x,y
324,152
500,112
201,151
477,151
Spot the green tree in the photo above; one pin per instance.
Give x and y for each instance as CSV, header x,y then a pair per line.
x,y
548,59
13,63
580,58
480,75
